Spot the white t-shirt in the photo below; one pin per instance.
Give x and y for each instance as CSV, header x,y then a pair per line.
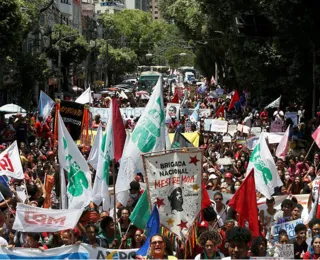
x,y
3,242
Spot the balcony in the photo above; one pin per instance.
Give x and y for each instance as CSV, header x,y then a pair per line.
x,y
65,7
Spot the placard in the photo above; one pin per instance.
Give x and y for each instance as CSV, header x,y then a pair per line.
x,y
220,126
227,139
288,226
172,111
174,185
207,124
276,126
243,128
255,130
232,129
286,251
293,116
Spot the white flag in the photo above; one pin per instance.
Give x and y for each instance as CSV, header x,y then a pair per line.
x,y
34,219
79,185
265,171
123,95
45,105
283,146
106,155
147,136
10,163
94,152
275,103
85,97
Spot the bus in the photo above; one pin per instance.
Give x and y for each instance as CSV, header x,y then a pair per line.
x,y
183,71
143,68
161,69
148,80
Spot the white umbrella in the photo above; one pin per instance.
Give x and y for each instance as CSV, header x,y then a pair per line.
x,y
12,108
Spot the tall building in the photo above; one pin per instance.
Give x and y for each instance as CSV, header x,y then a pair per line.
x,y
87,8
155,10
143,5
109,7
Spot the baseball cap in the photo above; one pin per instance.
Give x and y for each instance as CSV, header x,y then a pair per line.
x,y
204,224
228,175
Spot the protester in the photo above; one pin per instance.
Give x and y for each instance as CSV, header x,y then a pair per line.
x,y
210,240
238,239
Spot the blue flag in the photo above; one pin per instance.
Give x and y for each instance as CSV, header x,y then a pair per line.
x,y
153,227
195,115
45,105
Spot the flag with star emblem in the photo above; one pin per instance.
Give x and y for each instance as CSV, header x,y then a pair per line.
x,y
106,155
265,171
174,186
79,190
179,141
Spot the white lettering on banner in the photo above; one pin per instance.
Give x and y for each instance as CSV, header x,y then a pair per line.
x,y
33,219
220,126
83,251
286,251
174,184
288,226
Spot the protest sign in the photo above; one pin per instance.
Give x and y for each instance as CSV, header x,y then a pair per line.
x,y
10,163
219,91
288,226
125,112
72,114
293,116
220,126
172,111
256,131
207,124
226,139
276,126
232,129
286,251
82,251
243,128
174,185
34,219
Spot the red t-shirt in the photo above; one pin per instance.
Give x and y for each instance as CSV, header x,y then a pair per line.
x,y
39,129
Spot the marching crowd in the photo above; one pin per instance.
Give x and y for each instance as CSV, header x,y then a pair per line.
x,y
218,234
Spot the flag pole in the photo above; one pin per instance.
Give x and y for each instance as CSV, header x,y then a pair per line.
x,y
114,193
309,150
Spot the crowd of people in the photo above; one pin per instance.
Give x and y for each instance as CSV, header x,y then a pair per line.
x,y
218,234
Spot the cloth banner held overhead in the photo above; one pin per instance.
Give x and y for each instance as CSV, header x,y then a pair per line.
x,y
72,114
174,185
33,219
10,163
82,251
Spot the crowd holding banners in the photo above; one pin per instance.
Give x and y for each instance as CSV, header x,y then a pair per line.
x,y
61,175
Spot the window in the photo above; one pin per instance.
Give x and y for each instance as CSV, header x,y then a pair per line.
x,y
68,2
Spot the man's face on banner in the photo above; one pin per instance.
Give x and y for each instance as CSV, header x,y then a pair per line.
x,y
172,111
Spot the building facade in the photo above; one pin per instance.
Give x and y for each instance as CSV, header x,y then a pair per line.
x,y
143,5
155,10
109,7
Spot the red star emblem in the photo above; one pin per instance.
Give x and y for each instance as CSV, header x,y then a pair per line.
x,y
183,224
194,160
159,202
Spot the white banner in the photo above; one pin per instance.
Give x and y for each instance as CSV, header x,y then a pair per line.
x,y
33,219
232,129
125,112
10,163
243,128
220,126
83,251
174,185
287,226
172,111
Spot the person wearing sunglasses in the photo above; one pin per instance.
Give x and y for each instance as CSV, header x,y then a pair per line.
x,y
157,248
220,208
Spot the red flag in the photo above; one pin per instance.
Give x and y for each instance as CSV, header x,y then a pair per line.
x,y
205,197
220,110
316,136
119,132
245,203
175,98
235,98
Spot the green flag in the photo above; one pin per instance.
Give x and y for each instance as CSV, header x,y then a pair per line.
x,y
180,141
141,213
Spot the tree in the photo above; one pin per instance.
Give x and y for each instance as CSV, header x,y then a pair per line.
x,y
68,48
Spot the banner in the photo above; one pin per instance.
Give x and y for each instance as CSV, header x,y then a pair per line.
x,y
82,251
174,185
125,112
172,111
218,125
243,128
287,226
72,114
10,163
276,126
34,219
207,124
